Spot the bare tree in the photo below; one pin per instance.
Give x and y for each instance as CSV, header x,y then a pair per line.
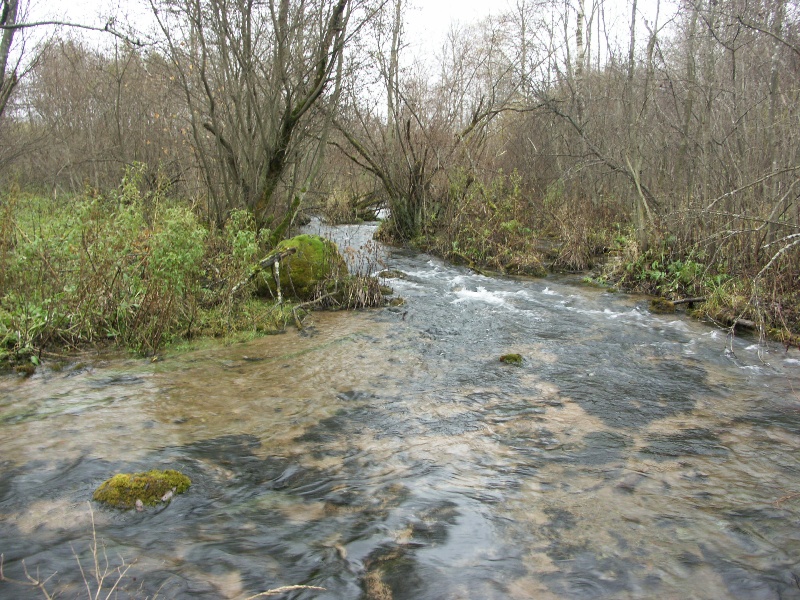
x,y
253,74
12,22
438,130
102,111
8,77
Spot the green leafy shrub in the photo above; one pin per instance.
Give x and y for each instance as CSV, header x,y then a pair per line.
x,y
82,269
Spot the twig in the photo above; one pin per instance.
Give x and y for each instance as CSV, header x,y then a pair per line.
x,y
315,301
265,262
108,28
286,588
33,582
689,300
783,499
751,184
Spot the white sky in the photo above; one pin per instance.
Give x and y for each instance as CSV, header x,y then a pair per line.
x,y
427,21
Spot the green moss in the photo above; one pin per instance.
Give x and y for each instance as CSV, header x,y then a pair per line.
x,y
152,487
529,266
317,260
661,306
391,274
595,282
511,359
26,369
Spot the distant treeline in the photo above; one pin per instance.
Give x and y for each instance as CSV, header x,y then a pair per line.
x,y
541,138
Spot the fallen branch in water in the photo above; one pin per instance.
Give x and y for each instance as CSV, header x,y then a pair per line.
x,y
36,582
297,319
263,264
287,588
746,323
690,300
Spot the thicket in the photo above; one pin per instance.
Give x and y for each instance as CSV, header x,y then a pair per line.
x,y
140,269
669,155
540,139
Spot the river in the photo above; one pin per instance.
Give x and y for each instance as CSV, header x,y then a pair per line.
x,y
389,454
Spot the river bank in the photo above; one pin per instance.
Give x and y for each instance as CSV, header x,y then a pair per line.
x,y
390,453
614,261
144,271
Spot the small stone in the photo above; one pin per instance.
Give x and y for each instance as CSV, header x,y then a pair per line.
x,y
392,275
511,359
139,505
168,496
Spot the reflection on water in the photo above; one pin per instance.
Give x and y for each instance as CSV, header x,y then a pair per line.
x,y
389,454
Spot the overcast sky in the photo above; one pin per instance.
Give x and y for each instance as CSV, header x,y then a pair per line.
x,y
427,21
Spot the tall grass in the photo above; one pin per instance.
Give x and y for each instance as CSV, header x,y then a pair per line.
x,y
140,269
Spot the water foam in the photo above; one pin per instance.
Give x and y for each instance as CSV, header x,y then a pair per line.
x,y
479,295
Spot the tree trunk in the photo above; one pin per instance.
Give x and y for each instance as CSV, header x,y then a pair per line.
x,y
8,80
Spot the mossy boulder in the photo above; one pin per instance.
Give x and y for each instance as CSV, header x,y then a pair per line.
x,y
661,306
528,266
316,264
511,359
392,274
150,488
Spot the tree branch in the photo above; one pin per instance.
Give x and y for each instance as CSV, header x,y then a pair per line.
x,y
106,29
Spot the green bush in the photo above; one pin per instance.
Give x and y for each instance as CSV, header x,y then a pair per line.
x,y
489,225
81,269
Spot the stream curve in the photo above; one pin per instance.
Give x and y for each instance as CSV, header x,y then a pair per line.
x,y
390,454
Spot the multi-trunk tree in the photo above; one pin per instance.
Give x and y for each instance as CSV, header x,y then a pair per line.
x,y
259,80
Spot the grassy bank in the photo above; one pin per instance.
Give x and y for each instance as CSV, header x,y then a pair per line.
x,y
496,226
765,297
138,270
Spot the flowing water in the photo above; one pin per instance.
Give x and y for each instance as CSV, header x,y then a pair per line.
x,y
390,454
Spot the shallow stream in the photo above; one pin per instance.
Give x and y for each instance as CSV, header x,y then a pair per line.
x,y
390,454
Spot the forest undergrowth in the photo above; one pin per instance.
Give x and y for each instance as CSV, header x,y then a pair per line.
x,y
732,277
138,270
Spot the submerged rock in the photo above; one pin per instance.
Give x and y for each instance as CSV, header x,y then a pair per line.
x,y
529,266
316,263
392,274
137,490
511,359
661,306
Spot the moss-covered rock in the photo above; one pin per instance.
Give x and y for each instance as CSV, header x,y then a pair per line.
x,y
316,263
528,266
511,359
25,369
392,274
150,488
661,306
